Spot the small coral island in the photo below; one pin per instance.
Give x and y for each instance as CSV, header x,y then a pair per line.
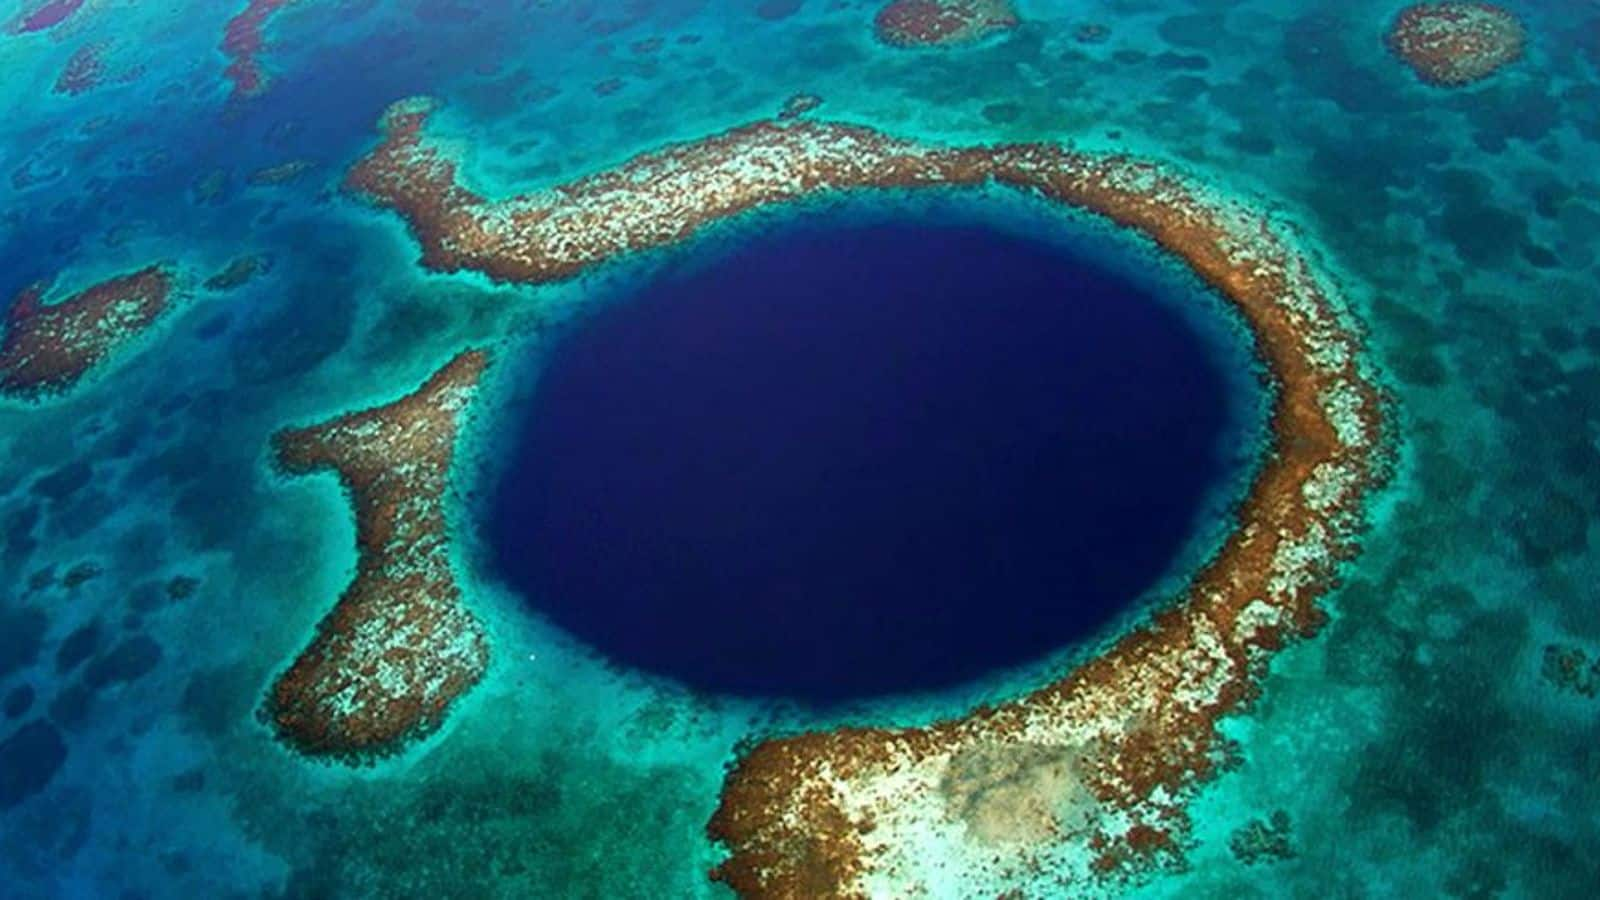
x,y
1090,774
399,647
48,348
1454,44
938,23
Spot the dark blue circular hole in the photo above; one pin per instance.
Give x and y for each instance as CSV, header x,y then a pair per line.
x,y
844,461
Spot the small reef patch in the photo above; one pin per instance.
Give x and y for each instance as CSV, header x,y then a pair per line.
x,y
242,41
1455,44
44,16
48,348
942,23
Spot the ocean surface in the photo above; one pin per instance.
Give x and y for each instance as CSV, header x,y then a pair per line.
x,y
835,462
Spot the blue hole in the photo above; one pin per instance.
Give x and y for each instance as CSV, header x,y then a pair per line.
x,y
845,461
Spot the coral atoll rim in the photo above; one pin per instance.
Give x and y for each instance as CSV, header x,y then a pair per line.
x,y
1088,775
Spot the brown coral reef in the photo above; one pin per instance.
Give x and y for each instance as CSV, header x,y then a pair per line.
x,y
1453,44
1102,760
399,647
939,23
243,41
48,348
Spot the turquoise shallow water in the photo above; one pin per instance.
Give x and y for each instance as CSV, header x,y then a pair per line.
x,y
1424,744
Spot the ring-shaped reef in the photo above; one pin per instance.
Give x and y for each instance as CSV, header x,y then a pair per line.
x,y
1086,777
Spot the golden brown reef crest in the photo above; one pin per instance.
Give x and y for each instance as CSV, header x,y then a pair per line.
x,y
1087,777
399,647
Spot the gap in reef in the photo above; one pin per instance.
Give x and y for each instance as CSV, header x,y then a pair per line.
x,y
839,457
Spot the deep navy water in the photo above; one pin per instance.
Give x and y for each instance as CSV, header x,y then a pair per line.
x,y
847,460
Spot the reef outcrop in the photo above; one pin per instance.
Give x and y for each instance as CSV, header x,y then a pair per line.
x,y
1569,668
940,23
242,41
1089,775
399,646
797,105
44,16
48,348
1453,44
83,72
239,271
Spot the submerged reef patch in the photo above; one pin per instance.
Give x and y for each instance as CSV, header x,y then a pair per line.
x,y
1453,44
94,64
939,23
83,71
798,105
1106,756
44,16
1259,841
239,271
399,647
242,41
48,348
1569,668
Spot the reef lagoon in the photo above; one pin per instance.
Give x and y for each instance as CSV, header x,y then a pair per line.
x,y
870,448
